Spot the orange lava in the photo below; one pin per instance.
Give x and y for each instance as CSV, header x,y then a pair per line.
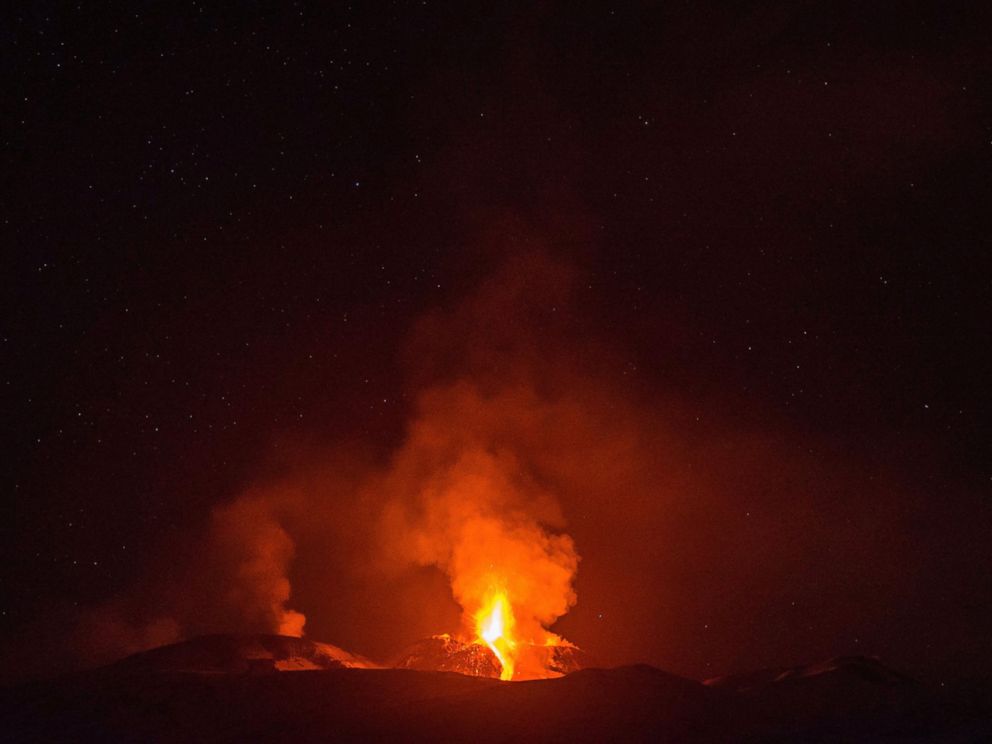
x,y
494,623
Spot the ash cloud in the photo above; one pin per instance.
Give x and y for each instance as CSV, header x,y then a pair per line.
x,y
469,505
258,552
707,536
234,577
459,494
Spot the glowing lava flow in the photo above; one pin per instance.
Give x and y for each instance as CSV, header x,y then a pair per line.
x,y
494,623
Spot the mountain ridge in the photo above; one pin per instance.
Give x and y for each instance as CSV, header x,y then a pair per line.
x,y
200,690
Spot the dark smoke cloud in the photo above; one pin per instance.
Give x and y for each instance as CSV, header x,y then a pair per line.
x,y
710,540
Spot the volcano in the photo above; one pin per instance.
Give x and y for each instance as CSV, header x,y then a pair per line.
x,y
239,654
443,653
277,688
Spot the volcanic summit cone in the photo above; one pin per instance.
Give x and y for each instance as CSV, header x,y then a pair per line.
x,y
443,653
233,654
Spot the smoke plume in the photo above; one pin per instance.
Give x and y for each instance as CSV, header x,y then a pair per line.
x,y
527,439
464,502
258,551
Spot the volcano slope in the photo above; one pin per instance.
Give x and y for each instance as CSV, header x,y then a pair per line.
x,y
303,692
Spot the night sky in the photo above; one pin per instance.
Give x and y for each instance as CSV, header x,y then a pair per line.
x,y
736,254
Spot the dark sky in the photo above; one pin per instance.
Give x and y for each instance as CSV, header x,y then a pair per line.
x,y
223,233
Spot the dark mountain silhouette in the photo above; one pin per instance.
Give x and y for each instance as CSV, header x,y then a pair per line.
x,y
234,654
259,688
